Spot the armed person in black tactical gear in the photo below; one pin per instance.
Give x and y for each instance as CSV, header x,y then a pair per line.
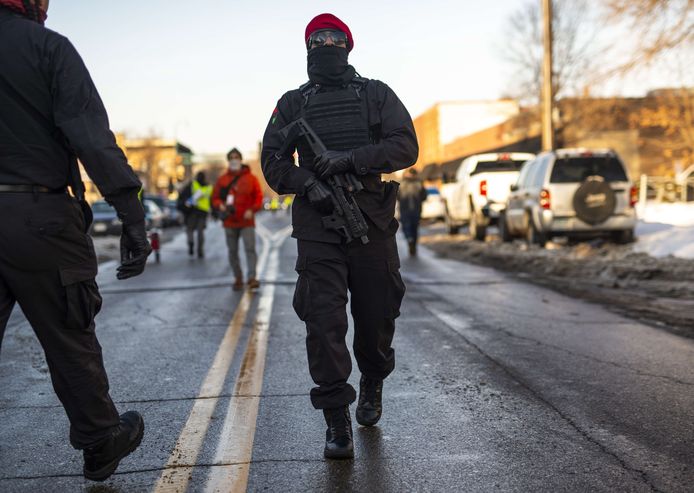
x,y
367,131
51,114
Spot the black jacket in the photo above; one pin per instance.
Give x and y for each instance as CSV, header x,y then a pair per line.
x,y
396,149
50,111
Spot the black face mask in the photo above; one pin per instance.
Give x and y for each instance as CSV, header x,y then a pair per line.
x,y
328,65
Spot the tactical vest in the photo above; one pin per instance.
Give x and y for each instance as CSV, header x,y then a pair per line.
x,y
344,119
339,116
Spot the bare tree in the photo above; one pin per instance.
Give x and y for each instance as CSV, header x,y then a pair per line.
x,y
572,50
658,27
663,36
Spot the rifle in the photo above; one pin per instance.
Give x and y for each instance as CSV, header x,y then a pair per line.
x,y
346,217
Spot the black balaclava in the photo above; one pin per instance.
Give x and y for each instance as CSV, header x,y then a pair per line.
x,y
327,65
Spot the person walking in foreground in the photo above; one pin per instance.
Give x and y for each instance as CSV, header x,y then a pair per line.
x,y
367,131
410,197
194,202
237,196
51,113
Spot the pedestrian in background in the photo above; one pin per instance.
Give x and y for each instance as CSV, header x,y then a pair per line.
x,y
50,115
411,195
195,203
367,131
237,195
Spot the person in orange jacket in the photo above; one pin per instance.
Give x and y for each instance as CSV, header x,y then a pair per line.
x,y
237,195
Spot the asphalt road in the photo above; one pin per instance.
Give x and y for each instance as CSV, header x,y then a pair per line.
x,y
499,385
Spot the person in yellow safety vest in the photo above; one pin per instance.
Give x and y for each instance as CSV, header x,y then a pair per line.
x,y
197,208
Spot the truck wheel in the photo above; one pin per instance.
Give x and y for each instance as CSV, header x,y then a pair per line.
x,y
477,231
533,236
623,237
451,227
504,233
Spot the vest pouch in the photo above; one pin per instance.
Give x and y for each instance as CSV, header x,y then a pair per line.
x,y
390,197
377,201
373,184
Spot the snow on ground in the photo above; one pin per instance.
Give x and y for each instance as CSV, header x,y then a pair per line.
x,y
678,214
666,229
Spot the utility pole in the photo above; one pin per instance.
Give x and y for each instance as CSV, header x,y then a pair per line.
x,y
547,87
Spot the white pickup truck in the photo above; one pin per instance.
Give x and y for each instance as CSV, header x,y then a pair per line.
x,y
482,185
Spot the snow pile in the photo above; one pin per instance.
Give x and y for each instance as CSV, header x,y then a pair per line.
x,y
679,214
666,229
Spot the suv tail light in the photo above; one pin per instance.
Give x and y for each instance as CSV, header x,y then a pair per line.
x,y
483,188
633,196
545,201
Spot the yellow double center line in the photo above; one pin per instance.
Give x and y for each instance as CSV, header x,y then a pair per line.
x,y
236,441
235,448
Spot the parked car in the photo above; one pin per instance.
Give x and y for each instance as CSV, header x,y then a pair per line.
x,y
162,203
480,190
175,216
154,216
105,221
577,193
434,207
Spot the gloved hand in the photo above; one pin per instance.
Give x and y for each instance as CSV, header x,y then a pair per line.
x,y
134,250
319,195
330,163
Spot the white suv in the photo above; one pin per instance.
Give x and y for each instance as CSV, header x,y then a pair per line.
x,y
577,193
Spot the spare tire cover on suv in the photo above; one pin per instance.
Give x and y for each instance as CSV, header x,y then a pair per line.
x,y
594,201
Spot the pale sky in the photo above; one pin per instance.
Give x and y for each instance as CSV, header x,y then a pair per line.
x,y
209,72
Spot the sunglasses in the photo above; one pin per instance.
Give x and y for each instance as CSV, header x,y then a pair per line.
x,y
320,38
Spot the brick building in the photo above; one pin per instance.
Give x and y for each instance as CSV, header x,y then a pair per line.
x,y
654,134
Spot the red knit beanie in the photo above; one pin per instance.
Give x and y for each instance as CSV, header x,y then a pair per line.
x,y
328,21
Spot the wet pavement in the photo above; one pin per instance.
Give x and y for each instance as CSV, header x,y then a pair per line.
x,y
499,385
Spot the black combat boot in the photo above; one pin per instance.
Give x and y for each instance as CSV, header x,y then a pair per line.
x,y
369,409
338,436
102,460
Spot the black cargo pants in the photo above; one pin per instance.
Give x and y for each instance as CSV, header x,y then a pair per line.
x,y
371,274
48,266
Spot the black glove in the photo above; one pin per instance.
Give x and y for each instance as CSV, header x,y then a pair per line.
x,y
134,250
319,195
330,163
